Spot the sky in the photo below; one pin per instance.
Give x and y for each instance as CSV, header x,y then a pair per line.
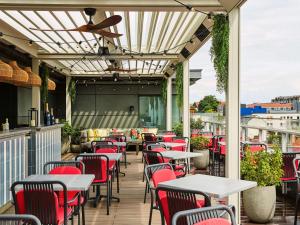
x,y
270,49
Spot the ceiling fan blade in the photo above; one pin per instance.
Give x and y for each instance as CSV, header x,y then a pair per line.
x,y
110,21
106,33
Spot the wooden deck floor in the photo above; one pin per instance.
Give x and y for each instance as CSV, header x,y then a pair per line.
x,y
132,211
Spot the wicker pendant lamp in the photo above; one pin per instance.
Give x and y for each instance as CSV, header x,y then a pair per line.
x,y
51,85
19,77
34,80
6,72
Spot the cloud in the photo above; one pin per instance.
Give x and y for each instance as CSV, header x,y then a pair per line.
x,y
270,47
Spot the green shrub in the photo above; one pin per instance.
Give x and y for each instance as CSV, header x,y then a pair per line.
x,y
263,167
199,143
197,124
67,129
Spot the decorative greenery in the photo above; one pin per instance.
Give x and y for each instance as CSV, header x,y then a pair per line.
x,y
196,124
44,74
208,104
263,167
67,129
164,91
72,90
219,50
178,129
75,136
199,143
179,84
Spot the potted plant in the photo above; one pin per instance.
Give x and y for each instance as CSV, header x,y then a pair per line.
x,y
75,140
66,133
199,144
178,129
266,169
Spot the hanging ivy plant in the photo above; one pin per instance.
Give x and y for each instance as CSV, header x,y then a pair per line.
x,y
219,50
72,90
164,90
44,74
179,84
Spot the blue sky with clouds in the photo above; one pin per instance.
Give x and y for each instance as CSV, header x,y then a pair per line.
x,y
270,49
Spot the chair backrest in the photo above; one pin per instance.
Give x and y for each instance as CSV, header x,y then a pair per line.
x,y
156,147
150,170
96,144
205,216
288,166
40,200
95,164
153,157
180,140
148,137
296,165
13,219
105,149
63,167
172,200
145,143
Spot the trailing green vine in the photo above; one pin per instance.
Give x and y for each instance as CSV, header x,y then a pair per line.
x,y
219,50
72,90
179,84
164,90
44,74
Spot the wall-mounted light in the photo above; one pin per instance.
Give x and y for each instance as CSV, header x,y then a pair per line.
x,y
131,108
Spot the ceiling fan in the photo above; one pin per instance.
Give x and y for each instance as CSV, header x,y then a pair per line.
x,y
94,28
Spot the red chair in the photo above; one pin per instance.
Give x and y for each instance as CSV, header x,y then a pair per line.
x,y
148,137
183,140
122,149
205,216
171,201
75,199
296,164
99,166
161,172
107,149
40,200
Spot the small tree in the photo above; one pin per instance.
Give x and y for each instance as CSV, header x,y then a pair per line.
x,y
208,104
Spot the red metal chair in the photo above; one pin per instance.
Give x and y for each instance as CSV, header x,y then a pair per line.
x,y
40,200
122,149
205,216
171,201
75,199
162,172
99,166
296,164
13,219
184,140
148,137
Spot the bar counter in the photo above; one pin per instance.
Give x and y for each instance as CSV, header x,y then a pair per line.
x,y
23,151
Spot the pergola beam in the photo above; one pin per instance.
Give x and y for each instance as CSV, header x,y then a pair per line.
x,y
129,5
76,56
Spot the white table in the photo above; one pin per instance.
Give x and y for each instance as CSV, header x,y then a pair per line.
x,y
173,144
166,135
73,182
218,187
175,155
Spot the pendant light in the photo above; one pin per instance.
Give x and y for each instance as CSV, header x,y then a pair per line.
x,y
34,80
19,77
6,72
51,85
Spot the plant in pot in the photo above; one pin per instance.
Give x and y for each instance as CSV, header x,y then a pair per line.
x,y
75,140
199,144
66,133
266,169
178,129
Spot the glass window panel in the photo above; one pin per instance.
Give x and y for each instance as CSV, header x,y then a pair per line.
x,y
146,27
121,30
152,112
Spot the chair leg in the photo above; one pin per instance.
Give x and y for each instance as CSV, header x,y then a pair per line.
x,y
296,209
151,209
144,172
78,208
107,197
146,188
125,158
83,214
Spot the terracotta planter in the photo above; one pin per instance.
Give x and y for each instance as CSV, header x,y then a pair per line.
x,y
65,144
259,203
201,162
